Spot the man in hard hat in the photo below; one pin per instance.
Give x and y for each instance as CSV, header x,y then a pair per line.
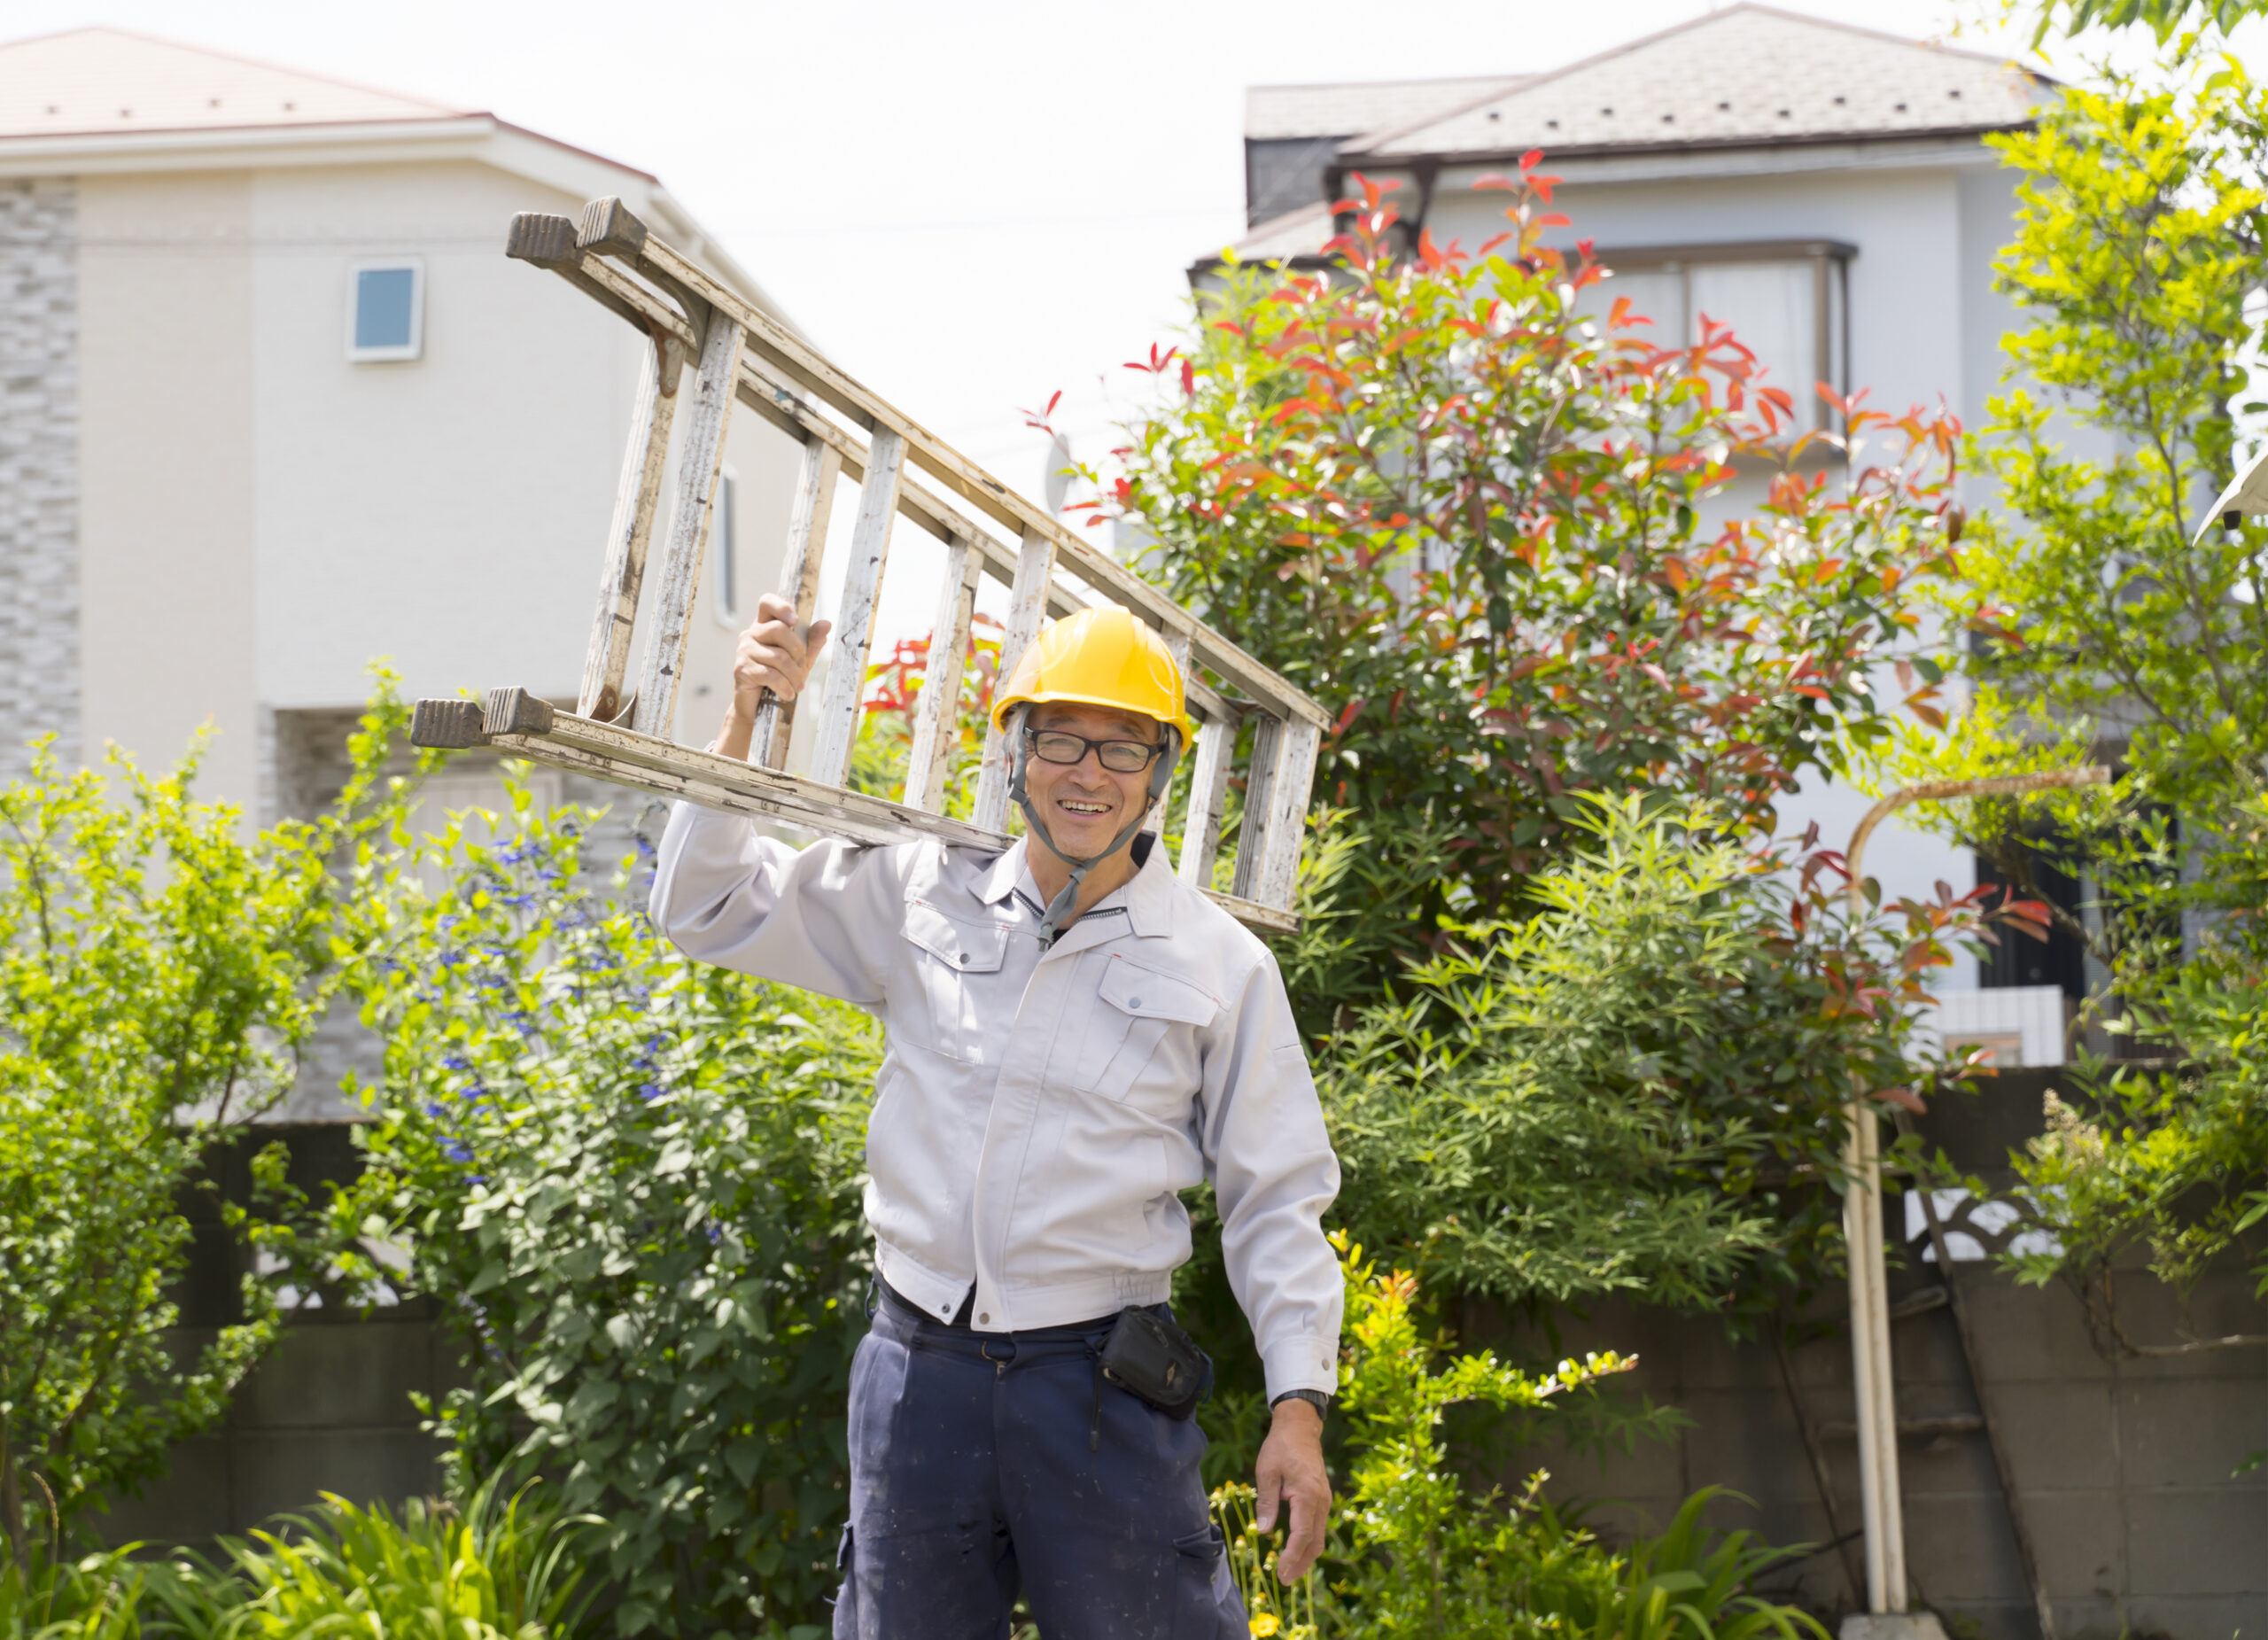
x,y
1073,1036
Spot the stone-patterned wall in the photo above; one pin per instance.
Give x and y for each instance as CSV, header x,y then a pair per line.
x,y
39,469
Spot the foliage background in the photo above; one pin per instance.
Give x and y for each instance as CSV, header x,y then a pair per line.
x,y
631,1183
159,970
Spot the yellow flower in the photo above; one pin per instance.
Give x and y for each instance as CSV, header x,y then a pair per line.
x,y
1265,1624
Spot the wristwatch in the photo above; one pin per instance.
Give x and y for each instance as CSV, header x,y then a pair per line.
x,y
1315,1398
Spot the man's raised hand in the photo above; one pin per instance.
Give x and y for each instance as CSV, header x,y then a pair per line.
x,y
771,654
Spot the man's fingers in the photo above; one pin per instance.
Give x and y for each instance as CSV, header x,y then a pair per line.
x,y
1304,1543
1268,1486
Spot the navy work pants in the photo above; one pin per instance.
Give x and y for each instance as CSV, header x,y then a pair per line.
x,y
981,1462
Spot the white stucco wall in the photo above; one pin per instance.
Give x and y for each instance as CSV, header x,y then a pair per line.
x,y
263,518
438,510
166,568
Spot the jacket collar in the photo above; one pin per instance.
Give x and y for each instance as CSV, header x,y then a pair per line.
x,y
1148,896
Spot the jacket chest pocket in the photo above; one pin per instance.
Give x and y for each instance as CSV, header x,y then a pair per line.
x,y
951,962
1140,1027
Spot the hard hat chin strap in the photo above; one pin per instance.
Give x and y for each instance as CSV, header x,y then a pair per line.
x,y
1063,905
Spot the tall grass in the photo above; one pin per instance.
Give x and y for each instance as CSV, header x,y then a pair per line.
x,y
501,1568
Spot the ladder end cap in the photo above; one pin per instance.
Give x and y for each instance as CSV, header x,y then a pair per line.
x,y
451,725
610,227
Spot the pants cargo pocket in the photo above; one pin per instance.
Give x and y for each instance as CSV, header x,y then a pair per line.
x,y
1210,1608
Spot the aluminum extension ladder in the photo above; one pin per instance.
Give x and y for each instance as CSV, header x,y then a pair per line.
x,y
737,355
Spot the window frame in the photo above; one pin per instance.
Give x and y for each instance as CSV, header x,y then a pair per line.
x,y
1830,269
396,353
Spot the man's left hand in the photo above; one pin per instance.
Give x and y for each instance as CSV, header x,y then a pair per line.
x,y
1291,1471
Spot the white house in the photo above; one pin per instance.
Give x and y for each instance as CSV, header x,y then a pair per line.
x,y
276,403
1823,189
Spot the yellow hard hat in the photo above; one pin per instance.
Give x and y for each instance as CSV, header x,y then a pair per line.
x,y
1101,657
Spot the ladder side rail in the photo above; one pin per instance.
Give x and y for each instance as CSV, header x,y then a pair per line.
x,y
841,703
523,725
1035,576
606,660
814,507
1208,790
812,370
937,718
1289,784
1251,827
701,465
1178,646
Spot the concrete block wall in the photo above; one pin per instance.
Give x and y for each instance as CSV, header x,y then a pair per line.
x,y
2124,1468
39,469
329,1410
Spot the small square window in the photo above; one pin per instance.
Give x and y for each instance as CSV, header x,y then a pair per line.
x,y
385,311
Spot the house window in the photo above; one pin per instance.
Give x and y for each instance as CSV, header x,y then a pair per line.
x,y
728,558
1786,303
385,311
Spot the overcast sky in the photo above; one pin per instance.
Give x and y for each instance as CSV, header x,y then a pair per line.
x,y
969,205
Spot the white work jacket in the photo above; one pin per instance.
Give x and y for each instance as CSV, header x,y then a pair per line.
x,y
1037,1109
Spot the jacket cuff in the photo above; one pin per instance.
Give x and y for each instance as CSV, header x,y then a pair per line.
x,y
1309,1361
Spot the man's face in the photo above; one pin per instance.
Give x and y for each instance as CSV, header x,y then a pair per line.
x,y
1084,804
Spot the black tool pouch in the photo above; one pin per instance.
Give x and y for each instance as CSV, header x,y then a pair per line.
x,y
1148,1356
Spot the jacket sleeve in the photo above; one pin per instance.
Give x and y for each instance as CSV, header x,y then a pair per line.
x,y
812,917
1274,1176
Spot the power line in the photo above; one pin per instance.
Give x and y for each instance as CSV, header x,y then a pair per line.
x,y
972,224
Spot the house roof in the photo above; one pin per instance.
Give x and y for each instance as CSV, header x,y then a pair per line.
x,y
106,80
1353,107
1746,76
109,99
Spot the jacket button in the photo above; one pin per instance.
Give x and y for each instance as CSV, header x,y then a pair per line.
x,y
1133,1002
986,1320
962,958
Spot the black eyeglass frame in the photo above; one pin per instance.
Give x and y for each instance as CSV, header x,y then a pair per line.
x,y
1152,750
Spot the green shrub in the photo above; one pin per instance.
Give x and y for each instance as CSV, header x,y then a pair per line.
x,y
160,966
504,1568
1638,1091
1415,1555
629,1182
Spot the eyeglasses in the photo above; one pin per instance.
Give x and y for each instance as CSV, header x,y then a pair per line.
x,y
1119,757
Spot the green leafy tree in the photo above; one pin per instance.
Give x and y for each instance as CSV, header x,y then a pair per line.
x,y
630,1183
160,966
1463,508
2122,633
2162,18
